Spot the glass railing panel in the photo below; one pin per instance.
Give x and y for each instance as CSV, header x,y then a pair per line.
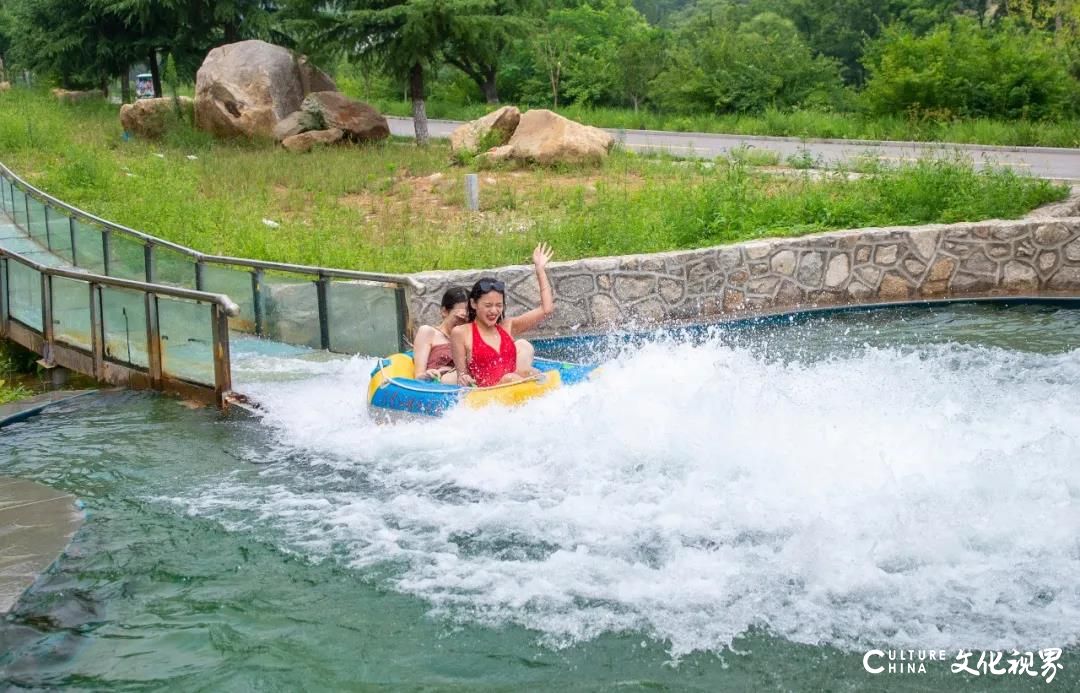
x,y
18,207
292,310
24,294
60,235
236,284
89,250
187,346
363,318
173,268
127,257
36,225
71,312
124,326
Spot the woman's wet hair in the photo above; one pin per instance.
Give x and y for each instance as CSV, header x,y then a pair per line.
x,y
485,285
454,296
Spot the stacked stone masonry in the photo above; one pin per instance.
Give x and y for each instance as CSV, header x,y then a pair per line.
x,y
1036,256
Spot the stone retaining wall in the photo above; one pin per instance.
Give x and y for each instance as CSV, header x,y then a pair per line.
x,y
1039,255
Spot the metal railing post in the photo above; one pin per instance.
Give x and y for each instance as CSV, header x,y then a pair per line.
x,y
322,292
48,233
258,306
97,332
219,327
402,306
3,296
47,317
106,248
200,270
153,339
71,233
148,262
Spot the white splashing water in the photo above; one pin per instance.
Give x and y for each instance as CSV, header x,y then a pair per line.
x,y
921,497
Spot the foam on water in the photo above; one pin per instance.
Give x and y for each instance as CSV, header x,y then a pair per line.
x,y
923,497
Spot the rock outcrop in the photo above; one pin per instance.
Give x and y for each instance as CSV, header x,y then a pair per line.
x,y
494,129
244,89
150,118
546,138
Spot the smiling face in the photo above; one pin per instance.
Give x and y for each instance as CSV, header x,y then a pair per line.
x,y
489,308
458,314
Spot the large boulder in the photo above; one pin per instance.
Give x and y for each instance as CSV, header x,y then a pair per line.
x,y
306,141
547,138
492,130
243,89
359,121
150,118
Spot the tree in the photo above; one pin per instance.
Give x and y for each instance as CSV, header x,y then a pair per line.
x,y
553,45
640,60
720,63
75,42
479,40
407,36
7,32
968,70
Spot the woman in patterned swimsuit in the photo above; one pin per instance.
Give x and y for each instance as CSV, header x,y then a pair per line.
x,y
484,350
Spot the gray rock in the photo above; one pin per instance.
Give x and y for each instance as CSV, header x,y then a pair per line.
x,y
244,89
359,121
810,270
783,262
628,288
1020,276
296,123
838,271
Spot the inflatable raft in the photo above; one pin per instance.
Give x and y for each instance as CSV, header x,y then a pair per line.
x,y
394,387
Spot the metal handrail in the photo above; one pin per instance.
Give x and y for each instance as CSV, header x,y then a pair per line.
x,y
226,303
59,352
319,272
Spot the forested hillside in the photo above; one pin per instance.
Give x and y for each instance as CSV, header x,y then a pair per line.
x,y
938,59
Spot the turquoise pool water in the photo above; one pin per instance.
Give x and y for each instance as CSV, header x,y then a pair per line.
x,y
738,509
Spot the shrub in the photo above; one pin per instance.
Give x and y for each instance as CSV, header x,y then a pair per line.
x,y
963,69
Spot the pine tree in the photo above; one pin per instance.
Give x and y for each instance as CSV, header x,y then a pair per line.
x,y
407,37
481,37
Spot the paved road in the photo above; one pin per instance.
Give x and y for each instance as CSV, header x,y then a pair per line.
x,y
1046,162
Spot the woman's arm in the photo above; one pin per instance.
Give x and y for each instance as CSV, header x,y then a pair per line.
x,y
421,350
530,319
459,348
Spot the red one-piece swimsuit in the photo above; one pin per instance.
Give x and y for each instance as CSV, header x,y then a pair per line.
x,y
488,366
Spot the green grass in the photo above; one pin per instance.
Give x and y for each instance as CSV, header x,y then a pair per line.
x,y
804,123
397,208
14,362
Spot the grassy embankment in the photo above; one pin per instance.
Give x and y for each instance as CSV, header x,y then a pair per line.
x,y
805,123
394,207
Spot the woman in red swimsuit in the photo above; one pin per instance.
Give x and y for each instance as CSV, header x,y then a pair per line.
x,y
432,358
484,349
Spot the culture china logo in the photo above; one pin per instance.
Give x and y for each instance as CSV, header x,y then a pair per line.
x,y
1043,663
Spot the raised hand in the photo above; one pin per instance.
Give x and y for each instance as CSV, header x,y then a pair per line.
x,y
542,254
